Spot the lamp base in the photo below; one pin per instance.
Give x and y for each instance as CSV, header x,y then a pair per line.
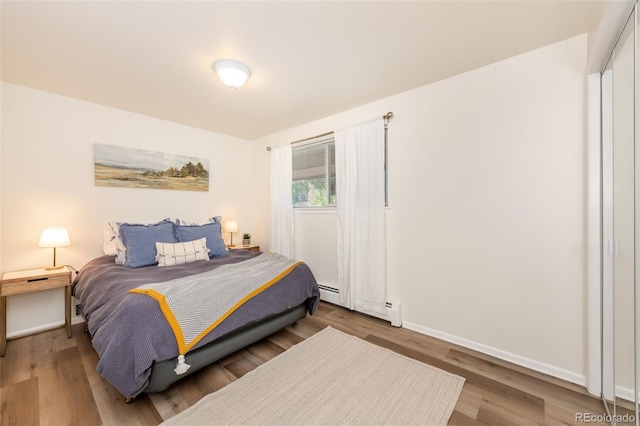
x,y
53,268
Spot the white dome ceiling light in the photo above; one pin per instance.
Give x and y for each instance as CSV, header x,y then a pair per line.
x,y
232,73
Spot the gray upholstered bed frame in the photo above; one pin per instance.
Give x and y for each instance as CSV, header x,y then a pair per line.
x,y
162,374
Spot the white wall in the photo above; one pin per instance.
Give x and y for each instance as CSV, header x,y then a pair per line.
x,y
487,175
316,238
1,89
47,179
486,229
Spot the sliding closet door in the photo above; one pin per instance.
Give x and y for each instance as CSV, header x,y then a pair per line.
x,y
625,232
624,218
636,309
621,236
637,289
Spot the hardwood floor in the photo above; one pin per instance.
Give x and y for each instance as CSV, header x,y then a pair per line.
x,y
49,379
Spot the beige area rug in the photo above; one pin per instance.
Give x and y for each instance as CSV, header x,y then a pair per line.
x,y
332,378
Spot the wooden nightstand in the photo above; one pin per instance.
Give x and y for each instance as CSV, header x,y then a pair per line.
x,y
252,247
29,281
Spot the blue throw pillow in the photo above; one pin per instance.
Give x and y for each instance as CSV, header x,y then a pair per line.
x,y
211,231
140,242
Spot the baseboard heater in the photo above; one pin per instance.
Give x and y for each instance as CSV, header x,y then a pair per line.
x,y
393,313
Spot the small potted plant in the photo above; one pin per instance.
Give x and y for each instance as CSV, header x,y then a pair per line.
x,y
246,239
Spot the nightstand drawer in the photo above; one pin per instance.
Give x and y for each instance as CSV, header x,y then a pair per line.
x,y
30,284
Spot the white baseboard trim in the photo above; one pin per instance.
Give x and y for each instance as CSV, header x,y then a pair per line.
x,y
34,330
541,367
75,319
624,393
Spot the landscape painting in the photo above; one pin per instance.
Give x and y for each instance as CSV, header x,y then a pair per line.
x,y
137,168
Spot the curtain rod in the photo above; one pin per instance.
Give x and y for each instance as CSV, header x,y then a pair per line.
x,y
386,117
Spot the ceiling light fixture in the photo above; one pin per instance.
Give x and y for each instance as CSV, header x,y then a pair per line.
x,y
232,73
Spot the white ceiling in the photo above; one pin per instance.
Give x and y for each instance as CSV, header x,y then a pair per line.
x,y
308,59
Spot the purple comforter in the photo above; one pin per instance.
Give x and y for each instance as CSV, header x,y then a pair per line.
x,y
128,330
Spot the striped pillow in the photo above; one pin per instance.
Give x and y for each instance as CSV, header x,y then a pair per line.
x,y
170,254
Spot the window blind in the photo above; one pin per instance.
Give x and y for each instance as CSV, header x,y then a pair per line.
x,y
314,160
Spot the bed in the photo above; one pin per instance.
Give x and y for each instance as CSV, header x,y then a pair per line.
x,y
136,343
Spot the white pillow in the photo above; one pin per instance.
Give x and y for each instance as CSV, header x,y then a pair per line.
x,y
170,254
110,233
214,219
112,244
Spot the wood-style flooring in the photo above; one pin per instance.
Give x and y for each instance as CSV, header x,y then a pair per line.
x,y
49,379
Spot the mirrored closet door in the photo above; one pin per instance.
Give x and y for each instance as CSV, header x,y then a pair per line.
x,y
621,228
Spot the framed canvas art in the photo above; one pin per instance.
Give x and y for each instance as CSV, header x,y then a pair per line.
x,y
136,168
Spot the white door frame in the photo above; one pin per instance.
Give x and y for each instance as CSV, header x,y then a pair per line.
x,y
594,237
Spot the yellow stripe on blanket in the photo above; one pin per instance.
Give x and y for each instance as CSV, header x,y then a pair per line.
x,y
195,305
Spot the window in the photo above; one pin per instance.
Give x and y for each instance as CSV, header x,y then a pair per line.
x,y
314,172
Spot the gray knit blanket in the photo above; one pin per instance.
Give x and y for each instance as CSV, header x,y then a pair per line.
x,y
194,305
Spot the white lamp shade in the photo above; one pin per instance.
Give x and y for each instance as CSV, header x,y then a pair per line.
x,y
231,226
54,237
232,73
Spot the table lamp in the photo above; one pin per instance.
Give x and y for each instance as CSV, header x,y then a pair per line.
x,y
54,237
231,226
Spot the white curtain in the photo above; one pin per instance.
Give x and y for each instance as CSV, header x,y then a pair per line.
x,y
361,216
282,237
